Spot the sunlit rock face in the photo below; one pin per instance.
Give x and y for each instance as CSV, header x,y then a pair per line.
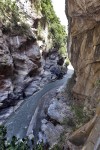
x,y
84,45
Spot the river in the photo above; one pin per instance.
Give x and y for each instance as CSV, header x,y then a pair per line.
x,y
17,124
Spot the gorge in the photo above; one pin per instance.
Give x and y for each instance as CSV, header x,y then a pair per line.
x,y
65,113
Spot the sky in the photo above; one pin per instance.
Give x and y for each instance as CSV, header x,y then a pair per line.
x,y
59,7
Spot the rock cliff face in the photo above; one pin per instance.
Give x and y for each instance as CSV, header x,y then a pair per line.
x,y
20,55
28,51
84,46
84,52
19,61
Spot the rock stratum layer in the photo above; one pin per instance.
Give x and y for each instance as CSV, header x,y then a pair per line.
x,y
84,46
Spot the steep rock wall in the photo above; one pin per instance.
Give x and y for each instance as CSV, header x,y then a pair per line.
x,y
20,57
19,61
28,48
84,46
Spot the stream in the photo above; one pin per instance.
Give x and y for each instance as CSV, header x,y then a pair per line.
x,y
17,124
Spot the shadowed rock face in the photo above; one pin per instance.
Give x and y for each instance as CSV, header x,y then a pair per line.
x,y
19,61
84,45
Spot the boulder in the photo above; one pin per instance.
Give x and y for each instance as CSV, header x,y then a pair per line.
x,y
50,133
56,70
59,111
31,89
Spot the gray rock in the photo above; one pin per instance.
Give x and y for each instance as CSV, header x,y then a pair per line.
x,y
31,89
4,114
0,33
50,133
59,111
52,57
33,52
17,41
18,105
1,40
1,104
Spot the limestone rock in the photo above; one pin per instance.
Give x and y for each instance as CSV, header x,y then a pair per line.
x,y
59,111
17,41
0,24
50,133
31,89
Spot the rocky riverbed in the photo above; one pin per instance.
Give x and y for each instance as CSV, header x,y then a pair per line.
x,y
54,119
44,76
57,116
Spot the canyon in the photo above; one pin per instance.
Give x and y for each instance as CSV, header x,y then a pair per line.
x,y
66,112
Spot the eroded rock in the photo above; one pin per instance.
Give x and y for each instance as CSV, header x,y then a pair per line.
x,y
59,111
80,136
50,133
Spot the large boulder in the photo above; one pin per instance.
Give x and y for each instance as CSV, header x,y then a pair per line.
x,y
59,111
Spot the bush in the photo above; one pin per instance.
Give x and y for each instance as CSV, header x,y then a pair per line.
x,y
12,18
62,51
37,4
17,144
67,62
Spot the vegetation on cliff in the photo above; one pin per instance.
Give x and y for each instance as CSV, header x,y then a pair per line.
x,y
12,18
14,21
57,31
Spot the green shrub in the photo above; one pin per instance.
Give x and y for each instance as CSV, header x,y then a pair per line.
x,y
17,144
37,4
56,30
80,115
97,82
12,18
67,62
